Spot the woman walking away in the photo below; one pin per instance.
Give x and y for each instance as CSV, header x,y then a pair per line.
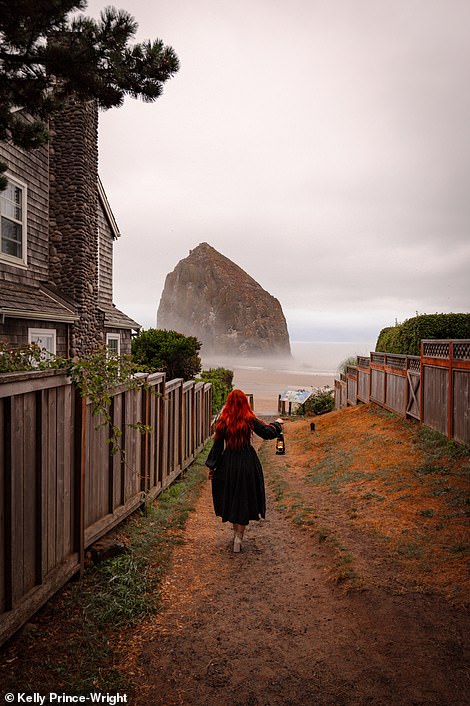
x,y
234,468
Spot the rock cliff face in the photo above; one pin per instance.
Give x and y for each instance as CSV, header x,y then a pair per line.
x,y
210,297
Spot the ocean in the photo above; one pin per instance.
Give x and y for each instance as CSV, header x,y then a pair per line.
x,y
313,364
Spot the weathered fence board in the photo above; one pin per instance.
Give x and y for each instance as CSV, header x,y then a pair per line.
x,y
3,505
37,543
363,379
461,407
153,475
63,485
377,386
434,391
395,392
351,385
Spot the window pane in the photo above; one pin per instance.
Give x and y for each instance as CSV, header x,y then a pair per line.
x,y
12,238
12,217
113,345
44,340
12,202
11,210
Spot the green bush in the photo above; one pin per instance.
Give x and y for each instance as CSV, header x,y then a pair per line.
x,y
352,360
168,351
221,380
319,403
27,357
389,340
405,338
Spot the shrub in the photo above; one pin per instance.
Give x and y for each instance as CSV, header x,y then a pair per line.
x,y
168,351
320,402
389,340
221,380
27,357
405,338
352,360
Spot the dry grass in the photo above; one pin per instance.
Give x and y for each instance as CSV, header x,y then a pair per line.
x,y
391,498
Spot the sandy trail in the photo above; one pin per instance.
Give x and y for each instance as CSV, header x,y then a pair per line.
x,y
269,627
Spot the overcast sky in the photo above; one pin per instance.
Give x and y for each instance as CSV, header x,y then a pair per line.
x,y
322,145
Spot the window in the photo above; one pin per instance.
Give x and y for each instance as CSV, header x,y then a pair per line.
x,y
113,341
13,221
44,338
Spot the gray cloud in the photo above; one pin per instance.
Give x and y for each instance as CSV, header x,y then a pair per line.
x,y
323,145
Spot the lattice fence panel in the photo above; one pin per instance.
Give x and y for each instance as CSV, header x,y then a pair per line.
x,y
461,350
436,349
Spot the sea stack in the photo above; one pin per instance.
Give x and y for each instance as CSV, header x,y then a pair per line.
x,y
210,297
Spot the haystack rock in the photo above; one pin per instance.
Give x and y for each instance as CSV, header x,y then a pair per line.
x,y
210,297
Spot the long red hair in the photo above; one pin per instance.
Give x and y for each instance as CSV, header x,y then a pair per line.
x,y
236,421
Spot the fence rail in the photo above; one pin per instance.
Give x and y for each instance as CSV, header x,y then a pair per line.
x,y
61,485
433,387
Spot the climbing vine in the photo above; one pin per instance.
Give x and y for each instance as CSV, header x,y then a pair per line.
x,y
96,377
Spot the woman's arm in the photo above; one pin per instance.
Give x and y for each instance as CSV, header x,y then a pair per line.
x,y
267,431
215,453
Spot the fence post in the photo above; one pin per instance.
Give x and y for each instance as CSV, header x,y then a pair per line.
x,y
421,384
8,519
145,448
180,422
79,476
385,380
450,393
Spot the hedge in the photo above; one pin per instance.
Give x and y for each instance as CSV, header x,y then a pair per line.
x,y
405,338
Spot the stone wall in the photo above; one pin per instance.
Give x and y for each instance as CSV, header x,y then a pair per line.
x,y
73,235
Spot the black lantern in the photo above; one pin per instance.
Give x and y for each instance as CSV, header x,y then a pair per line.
x,y
280,444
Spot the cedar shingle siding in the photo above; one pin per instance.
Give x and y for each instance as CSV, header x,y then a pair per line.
x,y
32,169
67,282
105,235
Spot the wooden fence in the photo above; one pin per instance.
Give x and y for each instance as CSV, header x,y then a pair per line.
x,y
433,387
61,485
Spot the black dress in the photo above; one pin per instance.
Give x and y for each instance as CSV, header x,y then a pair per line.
x,y
238,483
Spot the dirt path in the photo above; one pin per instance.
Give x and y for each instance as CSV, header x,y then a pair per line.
x,y
269,627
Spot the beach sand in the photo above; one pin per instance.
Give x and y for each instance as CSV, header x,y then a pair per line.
x,y
266,385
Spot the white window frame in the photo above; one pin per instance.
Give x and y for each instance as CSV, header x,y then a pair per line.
x,y
5,257
34,333
114,337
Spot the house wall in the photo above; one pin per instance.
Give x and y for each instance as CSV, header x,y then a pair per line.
x,y
126,338
15,333
69,236
105,283
31,168
74,219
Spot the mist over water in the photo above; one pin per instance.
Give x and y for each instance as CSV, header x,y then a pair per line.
x,y
308,357
313,364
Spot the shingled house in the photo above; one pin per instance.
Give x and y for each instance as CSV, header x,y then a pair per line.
x,y
57,234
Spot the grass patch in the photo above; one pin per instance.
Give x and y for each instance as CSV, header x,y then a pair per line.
x,y
428,512
437,445
410,550
373,496
399,484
